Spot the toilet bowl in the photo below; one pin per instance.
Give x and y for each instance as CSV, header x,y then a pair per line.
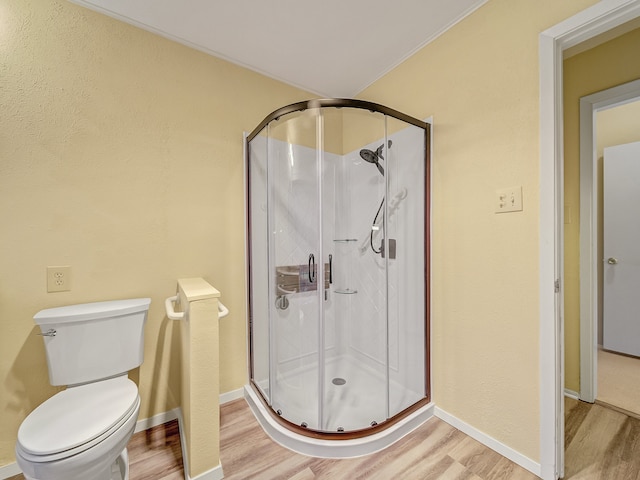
x,y
81,433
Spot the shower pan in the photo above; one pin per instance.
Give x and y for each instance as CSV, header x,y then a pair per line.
x,y
338,276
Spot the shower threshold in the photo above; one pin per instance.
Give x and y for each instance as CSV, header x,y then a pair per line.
x,y
324,448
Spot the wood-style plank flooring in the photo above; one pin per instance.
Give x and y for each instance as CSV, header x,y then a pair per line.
x,y
601,444
433,451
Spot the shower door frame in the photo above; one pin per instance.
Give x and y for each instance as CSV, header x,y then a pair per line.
x,y
375,108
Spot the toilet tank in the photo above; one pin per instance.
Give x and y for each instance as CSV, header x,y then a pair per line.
x,y
93,341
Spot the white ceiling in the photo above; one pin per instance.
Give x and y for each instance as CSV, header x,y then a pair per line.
x,y
333,48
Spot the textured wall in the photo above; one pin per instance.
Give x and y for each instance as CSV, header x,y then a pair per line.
x,y
112,139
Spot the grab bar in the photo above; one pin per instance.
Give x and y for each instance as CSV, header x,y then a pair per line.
x,y
173,315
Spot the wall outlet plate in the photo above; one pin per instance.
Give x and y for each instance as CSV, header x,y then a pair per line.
x,y
58,279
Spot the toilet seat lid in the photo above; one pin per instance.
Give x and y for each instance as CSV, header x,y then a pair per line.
x,y
77,415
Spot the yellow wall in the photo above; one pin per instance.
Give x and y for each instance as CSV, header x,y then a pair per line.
x,y
111,140
480,82
617,126
610,64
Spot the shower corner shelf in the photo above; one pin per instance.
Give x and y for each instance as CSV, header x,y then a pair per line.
x,y
345,240
345,291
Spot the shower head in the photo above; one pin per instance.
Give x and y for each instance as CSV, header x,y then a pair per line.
x,y
372,157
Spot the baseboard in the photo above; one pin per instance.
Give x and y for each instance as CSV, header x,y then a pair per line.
x,y
9,470
231,396
492,443
214,474
159,419
164,417
571,394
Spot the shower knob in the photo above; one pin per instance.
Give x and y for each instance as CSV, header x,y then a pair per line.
x,y
282,302
612,261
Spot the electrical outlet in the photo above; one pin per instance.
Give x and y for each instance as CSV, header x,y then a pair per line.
x,y
509,200
58,279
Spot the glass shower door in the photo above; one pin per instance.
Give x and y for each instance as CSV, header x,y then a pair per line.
x,y
355,314
406,236
294,268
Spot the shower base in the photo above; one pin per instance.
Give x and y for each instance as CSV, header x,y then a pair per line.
x,y
355,414
353,396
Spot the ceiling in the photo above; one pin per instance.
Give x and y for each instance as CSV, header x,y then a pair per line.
x,y
333,48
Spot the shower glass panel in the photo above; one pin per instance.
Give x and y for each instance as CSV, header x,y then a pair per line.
x,y
259,295
338,265
294,258
405,240
356,315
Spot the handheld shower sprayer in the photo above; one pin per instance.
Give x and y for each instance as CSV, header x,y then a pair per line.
x,y
370,156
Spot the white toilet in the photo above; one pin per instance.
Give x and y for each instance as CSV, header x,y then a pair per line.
x,y
82,432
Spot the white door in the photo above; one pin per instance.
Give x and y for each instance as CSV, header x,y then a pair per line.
x,y
621,279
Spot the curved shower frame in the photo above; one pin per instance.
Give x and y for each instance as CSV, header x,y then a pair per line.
x,y
312,273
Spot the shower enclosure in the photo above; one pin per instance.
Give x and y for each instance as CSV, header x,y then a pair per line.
x,y
338,245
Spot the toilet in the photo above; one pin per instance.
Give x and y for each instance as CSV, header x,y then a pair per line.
x,y
82,432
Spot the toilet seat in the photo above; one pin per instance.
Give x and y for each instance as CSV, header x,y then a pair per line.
x,y
76,419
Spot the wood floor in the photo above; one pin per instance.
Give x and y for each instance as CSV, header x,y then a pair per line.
x,y
433,451
601,444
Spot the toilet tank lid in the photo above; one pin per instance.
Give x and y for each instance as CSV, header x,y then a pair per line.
x,y
91,311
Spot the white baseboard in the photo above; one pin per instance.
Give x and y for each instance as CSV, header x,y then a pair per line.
x,y
9,470
492,443
159,419
231,396
213,474
571,394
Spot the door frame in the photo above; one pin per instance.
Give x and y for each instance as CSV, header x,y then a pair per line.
x,y
589,227
595,20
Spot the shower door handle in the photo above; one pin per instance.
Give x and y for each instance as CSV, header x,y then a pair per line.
x,y
330,268
312,268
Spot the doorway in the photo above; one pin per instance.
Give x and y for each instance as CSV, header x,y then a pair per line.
x,y
599,113
586,25
601,126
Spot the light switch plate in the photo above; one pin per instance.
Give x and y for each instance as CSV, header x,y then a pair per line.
x,y
508,200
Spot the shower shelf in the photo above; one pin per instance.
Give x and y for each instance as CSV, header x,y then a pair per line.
x,y
345,240
345,291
